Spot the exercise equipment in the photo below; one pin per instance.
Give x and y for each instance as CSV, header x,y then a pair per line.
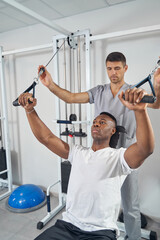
x,y
65,171
36,79
3,164
80,133
145,234
66,132
75,75
26,198
72,51
5,158
72,133
143,219
147,98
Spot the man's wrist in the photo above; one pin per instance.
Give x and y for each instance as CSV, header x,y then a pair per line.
x,y
29,112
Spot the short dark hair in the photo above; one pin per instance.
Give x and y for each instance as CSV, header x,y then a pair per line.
x,y
111,116
116,57
115,137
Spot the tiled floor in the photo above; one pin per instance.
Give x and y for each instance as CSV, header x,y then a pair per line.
x,y
23,226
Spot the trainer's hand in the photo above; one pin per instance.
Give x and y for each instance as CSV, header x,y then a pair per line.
x,y
27,101
133,98
45,77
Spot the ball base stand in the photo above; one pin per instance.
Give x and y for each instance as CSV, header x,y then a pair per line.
x,y
26,210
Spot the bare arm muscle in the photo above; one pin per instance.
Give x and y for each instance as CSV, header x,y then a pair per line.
x,y
138,152
46,137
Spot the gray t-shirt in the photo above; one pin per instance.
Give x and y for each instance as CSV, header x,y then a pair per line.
x,y
104,101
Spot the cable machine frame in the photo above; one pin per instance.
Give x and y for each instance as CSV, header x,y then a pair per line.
x,y
61,196
4,123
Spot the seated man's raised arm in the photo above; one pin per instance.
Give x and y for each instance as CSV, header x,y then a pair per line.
x,y
139,151
40,130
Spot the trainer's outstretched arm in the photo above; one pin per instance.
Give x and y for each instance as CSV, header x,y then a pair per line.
x,y
62,93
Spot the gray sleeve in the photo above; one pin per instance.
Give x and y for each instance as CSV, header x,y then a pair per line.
x,y
93,92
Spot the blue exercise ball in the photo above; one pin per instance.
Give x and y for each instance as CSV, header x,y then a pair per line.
x,y
25,198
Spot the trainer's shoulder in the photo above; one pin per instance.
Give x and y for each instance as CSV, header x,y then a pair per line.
x,y
104,87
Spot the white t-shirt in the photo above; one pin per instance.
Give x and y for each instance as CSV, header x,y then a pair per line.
x,y
94,197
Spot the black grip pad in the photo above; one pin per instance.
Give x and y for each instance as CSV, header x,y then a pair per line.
x,y
146,99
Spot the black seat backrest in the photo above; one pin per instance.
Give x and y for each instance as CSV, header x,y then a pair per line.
x,y
65,173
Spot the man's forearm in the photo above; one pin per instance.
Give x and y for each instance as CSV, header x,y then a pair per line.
x,y
46,137
39,129
67,96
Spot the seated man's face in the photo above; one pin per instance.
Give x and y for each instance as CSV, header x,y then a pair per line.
x,y
103,128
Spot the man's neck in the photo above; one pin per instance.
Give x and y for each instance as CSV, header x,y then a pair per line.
x,y
98,146
115,87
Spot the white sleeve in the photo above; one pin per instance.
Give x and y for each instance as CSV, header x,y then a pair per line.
x,y
124,166
71,150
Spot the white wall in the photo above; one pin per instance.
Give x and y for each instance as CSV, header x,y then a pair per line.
x,y
31,162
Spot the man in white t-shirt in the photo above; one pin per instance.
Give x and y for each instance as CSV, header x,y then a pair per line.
x,y
97,174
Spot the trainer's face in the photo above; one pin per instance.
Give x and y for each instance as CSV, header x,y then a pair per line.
x,y
103,127
116,71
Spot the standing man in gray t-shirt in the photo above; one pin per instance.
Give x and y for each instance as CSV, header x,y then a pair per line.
x,y
105,98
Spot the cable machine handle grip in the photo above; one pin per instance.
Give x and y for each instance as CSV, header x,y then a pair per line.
x,y
15,103
146,99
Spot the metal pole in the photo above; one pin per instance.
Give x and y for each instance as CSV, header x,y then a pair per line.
x,y
79,81
56,79
88,85
36,16
65,85
125,32
72,86
5,125
29,49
